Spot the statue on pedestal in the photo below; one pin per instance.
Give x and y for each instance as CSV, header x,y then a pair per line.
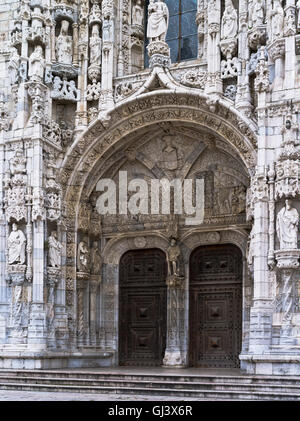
x,y
13,66
64,44
96,259
37,65
95,46
229,24
287,226
173,254
54,250
138,13
16,246
83,256
158,21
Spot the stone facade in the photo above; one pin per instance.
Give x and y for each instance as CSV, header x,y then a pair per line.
x,y
78,105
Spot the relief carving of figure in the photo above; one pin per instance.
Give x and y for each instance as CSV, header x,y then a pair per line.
x,y
16,246
138,13
257,16
95,46
83,256
277,19
96,259
158,21
229,24
64,44
54,250
173,254
13,66
170,157
287,226
37,65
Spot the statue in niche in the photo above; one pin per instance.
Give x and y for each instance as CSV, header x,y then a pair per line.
x,y
287,226
158,21
64,44
17,164
96,259
13,66
170,156
277,19
107,30
16,246
173,254
138,13
37,65
257,16
229,24
95,46
83,256
54,250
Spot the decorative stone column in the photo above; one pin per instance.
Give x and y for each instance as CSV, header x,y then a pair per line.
x,y
82,279
173,356
53,279
277,51
94,285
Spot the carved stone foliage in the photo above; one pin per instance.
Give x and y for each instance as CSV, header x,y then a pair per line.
x,y
37,92
229,68
194,79
262,83
53,202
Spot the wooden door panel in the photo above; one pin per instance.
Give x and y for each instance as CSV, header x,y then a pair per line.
x,y
215,307
142,308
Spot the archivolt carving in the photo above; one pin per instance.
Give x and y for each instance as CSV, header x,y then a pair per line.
x,y
116,247
145,111
196,239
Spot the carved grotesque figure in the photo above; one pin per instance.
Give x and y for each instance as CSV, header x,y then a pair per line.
x,y
64,44
83,256
173,254
158,21
229,24
13,66
96,259
138,13
37,65
54,250
16,246
95,46
287,226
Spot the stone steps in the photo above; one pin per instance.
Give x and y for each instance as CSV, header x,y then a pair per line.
x,y
194,386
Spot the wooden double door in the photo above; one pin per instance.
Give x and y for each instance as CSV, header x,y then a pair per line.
x,y
215,306
143,308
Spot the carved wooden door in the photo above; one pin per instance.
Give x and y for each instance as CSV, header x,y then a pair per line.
x,y
143,308
215,306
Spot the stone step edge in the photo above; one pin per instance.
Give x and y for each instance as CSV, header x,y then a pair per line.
x,y
97,389
9,380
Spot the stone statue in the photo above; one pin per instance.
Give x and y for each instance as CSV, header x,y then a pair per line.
x,y
158,21
37,65
170,154
138,13
16,246
257,15
64,44
173,254
95,46
229,24
277,19
13,66
96,259
83,256
54,250
287,226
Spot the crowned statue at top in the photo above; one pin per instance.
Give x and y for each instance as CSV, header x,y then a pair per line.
x,y
229,24
158,21
64,44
